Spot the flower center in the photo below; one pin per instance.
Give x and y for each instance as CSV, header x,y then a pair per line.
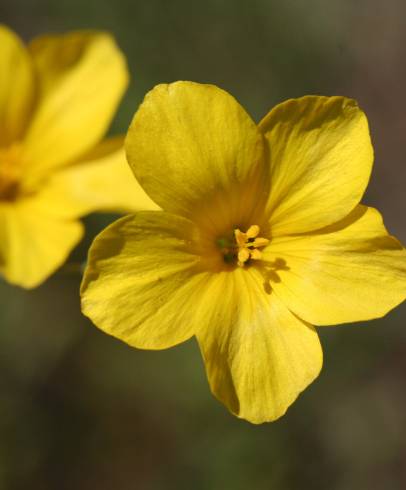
x,y
10,173
242,247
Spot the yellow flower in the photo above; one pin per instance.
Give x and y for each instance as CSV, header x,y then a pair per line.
x,y
57,98
261,235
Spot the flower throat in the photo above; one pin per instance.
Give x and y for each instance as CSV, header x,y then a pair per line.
x,y
10,173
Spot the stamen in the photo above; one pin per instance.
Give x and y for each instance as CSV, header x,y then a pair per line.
x,y
244,247
243,256
253,231
259,242
256,254
240,238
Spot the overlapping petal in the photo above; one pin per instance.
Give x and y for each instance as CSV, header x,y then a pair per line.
x,y
17,87
320,161
82,77
189,143
351,271
33,241
103,181
142,278
258,355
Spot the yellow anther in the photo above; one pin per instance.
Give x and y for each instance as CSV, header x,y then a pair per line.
x,y
240,238
256,254
253,231
248,244
243,256
259,242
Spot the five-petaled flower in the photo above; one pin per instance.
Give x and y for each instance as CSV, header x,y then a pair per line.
x,y
260,236
57,98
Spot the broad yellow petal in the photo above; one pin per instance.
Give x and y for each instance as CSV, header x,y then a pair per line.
x,y
320,161
148,284
17,86
103,181
349,272
142,276
82,77
33,242
189,145
258,355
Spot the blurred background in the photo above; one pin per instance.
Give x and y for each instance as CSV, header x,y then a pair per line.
x,y
81,410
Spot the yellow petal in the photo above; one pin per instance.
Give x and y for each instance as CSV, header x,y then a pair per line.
x,y
258,355
16,86
141,278
349,272
103,181
33,242
189,143
320,161
146,284
82,77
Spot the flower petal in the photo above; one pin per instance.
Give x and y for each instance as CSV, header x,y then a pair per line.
x,y
146,284
189,143
258,355
320,158
349,272
82,77
103,181
16,87
142,275
33,242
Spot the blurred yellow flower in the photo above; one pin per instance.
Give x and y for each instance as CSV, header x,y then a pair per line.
x,y
57,98
261,236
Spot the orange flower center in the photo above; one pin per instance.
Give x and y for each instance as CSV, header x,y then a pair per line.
x,y
10,173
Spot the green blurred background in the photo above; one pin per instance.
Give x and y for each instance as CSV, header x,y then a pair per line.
x,y
81,410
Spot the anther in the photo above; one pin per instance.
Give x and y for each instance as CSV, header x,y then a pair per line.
x,y
248,244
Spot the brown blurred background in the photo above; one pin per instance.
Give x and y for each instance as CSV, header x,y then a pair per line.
x,y
80,410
